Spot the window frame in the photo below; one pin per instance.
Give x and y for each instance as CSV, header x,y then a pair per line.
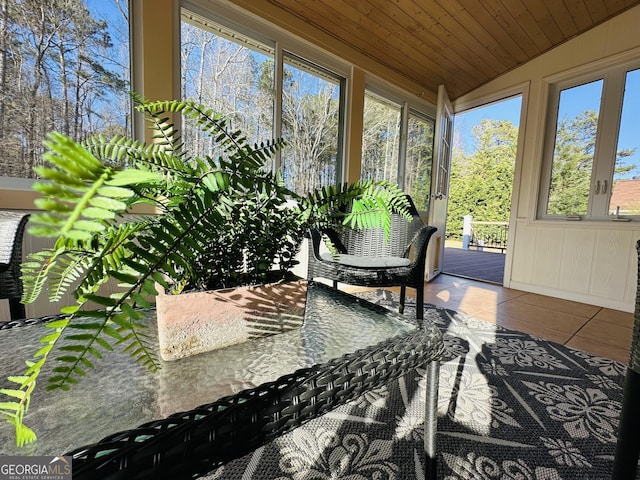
x,y
232,17
613,73
25,184
407,109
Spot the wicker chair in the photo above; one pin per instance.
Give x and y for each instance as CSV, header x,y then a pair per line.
x,y
628,447
366,258
12,226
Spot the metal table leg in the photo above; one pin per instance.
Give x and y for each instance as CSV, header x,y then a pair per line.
x,y
431,419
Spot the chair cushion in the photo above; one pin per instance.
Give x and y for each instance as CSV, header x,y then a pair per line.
x,y
367,262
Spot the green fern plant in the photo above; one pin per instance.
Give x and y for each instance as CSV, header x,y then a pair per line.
x,y
208,212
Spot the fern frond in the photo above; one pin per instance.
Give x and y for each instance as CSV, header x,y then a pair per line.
x,y
14,411
63,273
370,203
87,342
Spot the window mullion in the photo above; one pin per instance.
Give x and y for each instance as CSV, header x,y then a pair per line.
x,y
606,144
277,107
402,154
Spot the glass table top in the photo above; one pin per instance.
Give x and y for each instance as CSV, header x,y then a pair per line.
x,y
120,394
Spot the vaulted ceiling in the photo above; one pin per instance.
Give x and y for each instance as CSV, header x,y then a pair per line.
x,y
460,43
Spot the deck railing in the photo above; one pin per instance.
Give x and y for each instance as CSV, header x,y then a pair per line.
x,y
483,235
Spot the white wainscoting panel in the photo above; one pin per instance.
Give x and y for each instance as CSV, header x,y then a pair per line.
x,y
575,262
548,248
595,264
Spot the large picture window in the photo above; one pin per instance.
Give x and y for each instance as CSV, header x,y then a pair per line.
x,y
230,73
234,74
63,66
591,166
267,88
384,157
311,125
380,138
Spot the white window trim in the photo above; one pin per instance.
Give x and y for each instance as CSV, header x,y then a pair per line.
x,y
612,71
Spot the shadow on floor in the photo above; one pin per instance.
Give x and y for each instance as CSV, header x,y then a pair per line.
x,y
484,266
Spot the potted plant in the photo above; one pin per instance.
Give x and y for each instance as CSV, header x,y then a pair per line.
x,y
217,222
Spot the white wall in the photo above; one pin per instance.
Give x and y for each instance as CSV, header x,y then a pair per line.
x,y
590,262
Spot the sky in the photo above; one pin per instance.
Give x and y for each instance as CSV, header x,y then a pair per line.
x,y
464,122
107,10
102,8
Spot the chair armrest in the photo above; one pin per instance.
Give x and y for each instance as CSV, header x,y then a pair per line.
x,y
316,241
420,243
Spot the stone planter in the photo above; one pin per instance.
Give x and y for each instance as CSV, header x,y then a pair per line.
x,y
196,322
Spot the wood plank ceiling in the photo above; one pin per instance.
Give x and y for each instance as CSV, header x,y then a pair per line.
x,y
461,43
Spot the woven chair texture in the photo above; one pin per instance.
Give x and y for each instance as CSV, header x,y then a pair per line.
x,y
628,447
408,240
195,442
12,227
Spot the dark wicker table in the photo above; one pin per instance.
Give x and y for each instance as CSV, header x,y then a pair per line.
x,y
199,412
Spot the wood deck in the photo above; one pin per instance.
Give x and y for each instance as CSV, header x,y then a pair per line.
x,y
478,265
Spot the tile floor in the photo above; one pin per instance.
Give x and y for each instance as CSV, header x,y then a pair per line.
x,y
598,330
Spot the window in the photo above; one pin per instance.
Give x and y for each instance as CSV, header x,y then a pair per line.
x,y
591,165
625,188
311,125
229,73
383,157
234,74
380,138
63,66
270,88
419,159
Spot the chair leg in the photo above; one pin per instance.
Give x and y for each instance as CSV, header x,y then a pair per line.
x,y
16,309
420,303
431,419
403,291
628,446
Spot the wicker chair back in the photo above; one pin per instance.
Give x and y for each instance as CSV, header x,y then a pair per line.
x,y
12,227
371,242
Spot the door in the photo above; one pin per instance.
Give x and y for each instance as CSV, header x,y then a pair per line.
x,y
440,186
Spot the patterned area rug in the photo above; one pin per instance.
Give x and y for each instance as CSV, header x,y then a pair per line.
x,y
511,406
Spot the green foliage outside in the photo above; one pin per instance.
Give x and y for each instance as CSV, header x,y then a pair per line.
x,y
573,163
481,183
